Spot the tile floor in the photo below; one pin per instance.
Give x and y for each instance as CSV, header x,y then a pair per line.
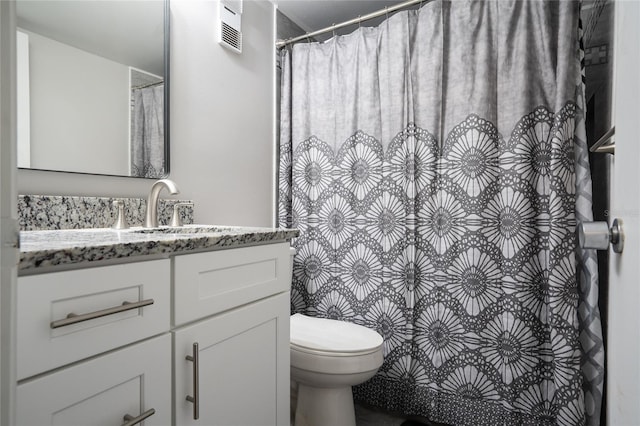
x,y
366,416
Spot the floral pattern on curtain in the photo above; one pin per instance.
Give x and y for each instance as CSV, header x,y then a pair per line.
x,y
453,236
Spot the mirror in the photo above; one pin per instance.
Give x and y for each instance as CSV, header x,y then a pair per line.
x,y
93,86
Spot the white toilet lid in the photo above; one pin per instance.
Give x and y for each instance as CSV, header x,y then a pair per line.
x,y
321,334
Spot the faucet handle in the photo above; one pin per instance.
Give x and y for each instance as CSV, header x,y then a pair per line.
x,y
121,221
176,220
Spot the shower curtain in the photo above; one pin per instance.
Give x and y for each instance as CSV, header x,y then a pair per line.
x,y
147,132
436,166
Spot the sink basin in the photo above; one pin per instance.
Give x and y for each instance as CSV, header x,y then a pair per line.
x,y
186,229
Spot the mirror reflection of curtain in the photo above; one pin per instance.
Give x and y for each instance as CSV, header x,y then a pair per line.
x,y
147,132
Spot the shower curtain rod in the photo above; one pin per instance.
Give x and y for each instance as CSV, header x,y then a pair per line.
x,y
358,20
144,86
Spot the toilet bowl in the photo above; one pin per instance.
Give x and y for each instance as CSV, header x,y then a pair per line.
x,y
328,357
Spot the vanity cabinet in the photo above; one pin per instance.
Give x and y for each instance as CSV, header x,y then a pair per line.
x,y
201,335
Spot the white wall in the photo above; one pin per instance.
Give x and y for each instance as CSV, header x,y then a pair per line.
x,y
221,122
222,113
62,78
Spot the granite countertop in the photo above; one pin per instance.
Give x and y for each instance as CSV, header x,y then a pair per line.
x,y
39,249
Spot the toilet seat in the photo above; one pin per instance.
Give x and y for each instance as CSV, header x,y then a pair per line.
x,y
326,337
297,348
328,357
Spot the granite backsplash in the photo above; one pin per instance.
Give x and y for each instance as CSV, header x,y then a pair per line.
x,y
42,212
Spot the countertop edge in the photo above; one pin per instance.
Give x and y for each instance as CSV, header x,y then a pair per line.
x,y
33,259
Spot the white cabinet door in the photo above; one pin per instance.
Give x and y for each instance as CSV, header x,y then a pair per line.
x,y
623,353
243,366
103,390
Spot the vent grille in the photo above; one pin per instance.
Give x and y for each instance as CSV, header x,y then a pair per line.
x,y
231,37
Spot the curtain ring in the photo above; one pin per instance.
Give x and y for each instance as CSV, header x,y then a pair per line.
x,y
386,11
333,29
359,21
308,38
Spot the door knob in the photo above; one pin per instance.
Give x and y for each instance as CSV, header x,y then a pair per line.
x,y
598,235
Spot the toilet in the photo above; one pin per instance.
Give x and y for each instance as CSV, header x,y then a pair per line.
x,y
328,357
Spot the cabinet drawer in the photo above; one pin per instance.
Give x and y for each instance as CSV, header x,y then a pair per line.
x,y
103,390
212,282
48,298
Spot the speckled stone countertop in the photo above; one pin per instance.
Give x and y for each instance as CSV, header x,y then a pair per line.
x,y
42,249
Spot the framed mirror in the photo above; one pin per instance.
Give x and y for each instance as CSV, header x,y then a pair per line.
x,y
93,86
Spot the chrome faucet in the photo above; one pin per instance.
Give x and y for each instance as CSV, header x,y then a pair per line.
x,y
151,219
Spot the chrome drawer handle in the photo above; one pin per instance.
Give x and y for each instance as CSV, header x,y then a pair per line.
x,y
129,420
74,318
195,399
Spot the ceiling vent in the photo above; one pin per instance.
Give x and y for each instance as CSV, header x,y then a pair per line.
x,y
229,30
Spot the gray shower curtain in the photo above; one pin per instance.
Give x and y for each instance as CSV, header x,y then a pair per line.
x,y
436,166
147,132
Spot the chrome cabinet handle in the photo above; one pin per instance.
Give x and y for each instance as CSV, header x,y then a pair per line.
x,y
129,420
195,399
74,318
